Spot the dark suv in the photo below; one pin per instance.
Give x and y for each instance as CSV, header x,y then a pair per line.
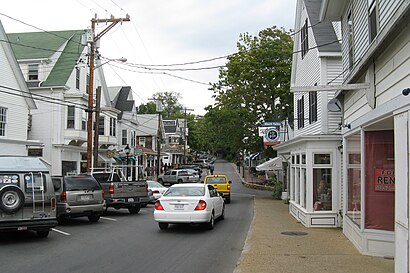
x,y
78,195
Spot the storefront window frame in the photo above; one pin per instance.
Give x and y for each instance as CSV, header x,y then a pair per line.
x,y
330,166
346,164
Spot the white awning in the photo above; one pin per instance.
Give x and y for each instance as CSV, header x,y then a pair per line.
x,y
105,159
270,165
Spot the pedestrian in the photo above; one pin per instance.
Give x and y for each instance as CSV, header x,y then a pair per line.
x,y
211,167
238,165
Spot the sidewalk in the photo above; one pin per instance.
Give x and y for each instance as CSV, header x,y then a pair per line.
x,y
320,250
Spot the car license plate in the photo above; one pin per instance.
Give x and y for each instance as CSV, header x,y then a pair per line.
x,y
131,200
179,206
86,197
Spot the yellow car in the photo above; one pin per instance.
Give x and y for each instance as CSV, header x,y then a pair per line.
x,y
221,184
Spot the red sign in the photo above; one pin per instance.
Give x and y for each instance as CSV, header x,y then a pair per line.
x,y
384,180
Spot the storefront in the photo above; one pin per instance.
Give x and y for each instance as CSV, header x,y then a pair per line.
x,y
314,179
370,187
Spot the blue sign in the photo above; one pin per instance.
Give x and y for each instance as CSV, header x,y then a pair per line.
x,y
271,123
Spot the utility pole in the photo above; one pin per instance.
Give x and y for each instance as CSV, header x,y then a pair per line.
x,y
90,110
96,123
159,138
185,134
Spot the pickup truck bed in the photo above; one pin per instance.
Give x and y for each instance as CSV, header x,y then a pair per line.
x,y
122,194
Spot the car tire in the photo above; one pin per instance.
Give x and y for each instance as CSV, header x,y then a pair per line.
x,y
61,220
42,233
160,181
134,209
228,200
222,217
144,205
162,225
210,225
94,218
11,199
180,181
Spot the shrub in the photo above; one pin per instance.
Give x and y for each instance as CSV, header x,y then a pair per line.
x,y
277,187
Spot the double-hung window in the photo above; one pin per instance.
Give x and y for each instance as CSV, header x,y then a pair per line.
x,y
113,123
312,107
77,78
304,39
70,117
124,139
101,126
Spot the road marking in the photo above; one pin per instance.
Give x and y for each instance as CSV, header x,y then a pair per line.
x,y
62,232
109,219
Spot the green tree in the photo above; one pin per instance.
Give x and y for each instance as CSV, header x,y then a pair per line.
x,y
170,102
254,85
147,108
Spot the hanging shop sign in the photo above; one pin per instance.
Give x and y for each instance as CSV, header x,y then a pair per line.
x,y
384,180
271,136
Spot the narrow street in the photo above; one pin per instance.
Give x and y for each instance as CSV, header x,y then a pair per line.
x,y
120,242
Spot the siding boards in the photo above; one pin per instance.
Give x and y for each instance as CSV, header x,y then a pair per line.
x,y
360,29
386,10
17,112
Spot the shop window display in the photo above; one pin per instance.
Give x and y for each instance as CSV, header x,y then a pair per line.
x,y
322,189
379,180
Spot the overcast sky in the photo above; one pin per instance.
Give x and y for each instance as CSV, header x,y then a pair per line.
x,y
160,32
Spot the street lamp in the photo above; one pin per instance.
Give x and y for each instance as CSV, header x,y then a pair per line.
x,y
127,152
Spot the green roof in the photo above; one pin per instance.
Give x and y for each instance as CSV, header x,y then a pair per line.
x,y
38,45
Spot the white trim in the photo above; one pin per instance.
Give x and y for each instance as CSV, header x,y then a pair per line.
x,y
330,54
319,88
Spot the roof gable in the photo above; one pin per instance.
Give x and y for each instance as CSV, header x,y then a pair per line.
x,y
42,45
324,33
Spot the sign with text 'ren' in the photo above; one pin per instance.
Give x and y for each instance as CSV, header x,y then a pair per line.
x,y
384,180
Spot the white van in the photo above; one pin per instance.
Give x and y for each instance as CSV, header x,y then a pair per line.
x,y
27,197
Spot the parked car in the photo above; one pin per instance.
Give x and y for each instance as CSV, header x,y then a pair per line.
x,y
189,203
156,188
27,196
120,193
204,163
171,177
193,175
221,183
77,196
195,167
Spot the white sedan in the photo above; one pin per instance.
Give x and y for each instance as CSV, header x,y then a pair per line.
x,y
157,189
189,203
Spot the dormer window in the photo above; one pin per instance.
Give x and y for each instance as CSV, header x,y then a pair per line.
x,y
33,72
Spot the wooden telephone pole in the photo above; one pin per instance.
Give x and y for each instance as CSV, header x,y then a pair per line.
x,y
90,110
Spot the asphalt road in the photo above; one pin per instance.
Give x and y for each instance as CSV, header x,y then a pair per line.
x,y
121,242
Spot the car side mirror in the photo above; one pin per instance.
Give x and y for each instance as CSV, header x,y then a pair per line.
x,y
221,194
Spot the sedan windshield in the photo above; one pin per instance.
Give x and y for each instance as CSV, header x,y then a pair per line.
x,y
185,191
